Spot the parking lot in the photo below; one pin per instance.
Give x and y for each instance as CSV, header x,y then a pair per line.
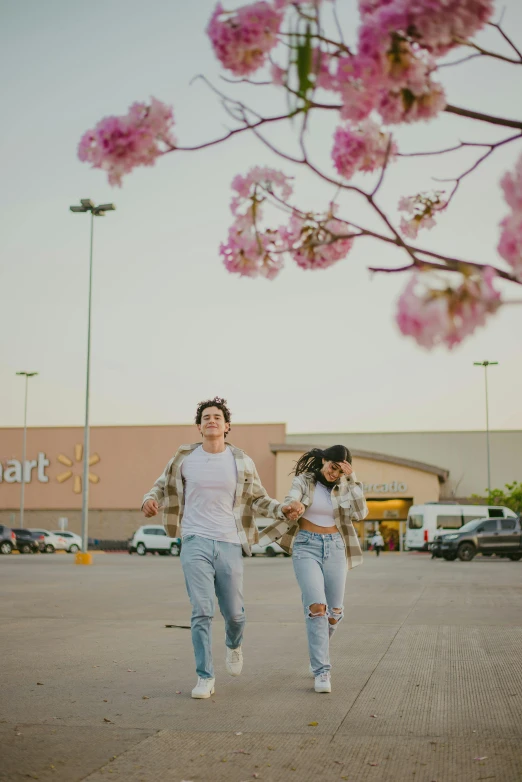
x,y
427,680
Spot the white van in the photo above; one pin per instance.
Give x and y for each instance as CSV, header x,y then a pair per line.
x,y
435,518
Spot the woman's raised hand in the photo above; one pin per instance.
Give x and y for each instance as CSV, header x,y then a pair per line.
x,y
346,467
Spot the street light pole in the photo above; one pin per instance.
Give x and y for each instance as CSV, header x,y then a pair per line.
x,y
96,211
487,364
27,375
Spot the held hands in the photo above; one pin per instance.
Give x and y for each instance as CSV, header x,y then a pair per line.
x,y
150,508
293,510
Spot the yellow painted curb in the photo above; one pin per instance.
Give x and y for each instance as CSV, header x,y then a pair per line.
x,y
83,559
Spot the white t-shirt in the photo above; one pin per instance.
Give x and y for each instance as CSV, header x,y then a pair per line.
x,y
320,512
210,489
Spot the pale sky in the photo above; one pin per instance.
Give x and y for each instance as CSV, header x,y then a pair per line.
x,y
317,350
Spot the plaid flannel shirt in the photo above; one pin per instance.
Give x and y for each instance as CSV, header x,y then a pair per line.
x,y
348,503
251,498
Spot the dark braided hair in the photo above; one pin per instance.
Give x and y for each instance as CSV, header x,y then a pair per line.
x,y
218,402
312,461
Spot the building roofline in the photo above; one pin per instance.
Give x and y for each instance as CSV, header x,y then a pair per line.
x,y
407,431
440,472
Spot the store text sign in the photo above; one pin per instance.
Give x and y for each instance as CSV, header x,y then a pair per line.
x,y
11,471
385,488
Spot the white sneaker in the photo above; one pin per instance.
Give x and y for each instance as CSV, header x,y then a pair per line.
x,y
234,661
323,683
204,688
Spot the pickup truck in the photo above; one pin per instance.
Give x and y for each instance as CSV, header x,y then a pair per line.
x,y
502,537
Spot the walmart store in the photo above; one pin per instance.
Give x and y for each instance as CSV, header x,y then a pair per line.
x,y
398,469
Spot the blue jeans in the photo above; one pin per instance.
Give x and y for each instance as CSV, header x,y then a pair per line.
x,y
211,569
320,567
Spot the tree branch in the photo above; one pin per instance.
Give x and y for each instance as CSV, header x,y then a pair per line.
x,y
507,39
507,123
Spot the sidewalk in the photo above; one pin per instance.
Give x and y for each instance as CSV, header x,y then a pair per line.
x,y
427,678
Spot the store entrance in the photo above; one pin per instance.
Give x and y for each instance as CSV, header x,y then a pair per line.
x,y
387,516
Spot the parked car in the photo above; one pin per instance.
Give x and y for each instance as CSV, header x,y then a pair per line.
x,y
436,518
74,541
153,538
27,542
502,537
52,542
7,539
272,550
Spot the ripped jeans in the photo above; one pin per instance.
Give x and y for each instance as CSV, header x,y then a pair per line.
x,y
320,568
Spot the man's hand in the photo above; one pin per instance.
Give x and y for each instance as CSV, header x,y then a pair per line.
x,y
150,508
346,467
293,510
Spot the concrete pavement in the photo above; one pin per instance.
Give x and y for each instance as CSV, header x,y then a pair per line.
x,y
427,675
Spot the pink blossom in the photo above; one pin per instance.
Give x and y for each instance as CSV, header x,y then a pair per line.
x,y
277,74
119,144
358,81
434,316
511,184
423,207
242,39
510,244
438,25
361,148
407,204
312,243
252,188
368,7
250,253
405,106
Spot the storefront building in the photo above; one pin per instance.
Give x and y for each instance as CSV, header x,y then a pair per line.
x,y
123,465
126,460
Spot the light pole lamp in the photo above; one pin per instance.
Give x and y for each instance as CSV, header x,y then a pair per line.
x,y
86,205
27,375
487,364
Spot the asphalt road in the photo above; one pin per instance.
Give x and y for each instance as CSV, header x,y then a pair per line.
x,y
427,675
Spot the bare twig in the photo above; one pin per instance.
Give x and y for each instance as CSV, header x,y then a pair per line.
x,y
487,53
384,167
507,123
234,132
506,38
459,62
476,164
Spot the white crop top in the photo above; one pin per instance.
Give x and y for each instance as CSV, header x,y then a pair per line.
x,y
320,512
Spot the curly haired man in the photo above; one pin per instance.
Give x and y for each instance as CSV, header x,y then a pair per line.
x,y
211,492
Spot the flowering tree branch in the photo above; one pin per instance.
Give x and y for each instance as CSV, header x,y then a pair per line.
x,y
387,76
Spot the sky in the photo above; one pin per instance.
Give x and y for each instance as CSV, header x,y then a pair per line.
x,y
317,350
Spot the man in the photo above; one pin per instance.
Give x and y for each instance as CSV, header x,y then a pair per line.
x,y
212,492
377,542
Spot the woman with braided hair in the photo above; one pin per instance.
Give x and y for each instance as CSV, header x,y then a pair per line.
x,y
323,544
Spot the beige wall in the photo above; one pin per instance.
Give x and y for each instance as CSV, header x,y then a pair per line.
x,y
421,486
131,458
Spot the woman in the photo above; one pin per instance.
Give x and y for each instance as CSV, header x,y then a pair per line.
x,y
323,543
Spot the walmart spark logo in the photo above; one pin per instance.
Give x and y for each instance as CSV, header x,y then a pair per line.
x,y
76,470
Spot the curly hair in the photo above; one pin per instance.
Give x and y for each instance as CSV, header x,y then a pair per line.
x,y
218,402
